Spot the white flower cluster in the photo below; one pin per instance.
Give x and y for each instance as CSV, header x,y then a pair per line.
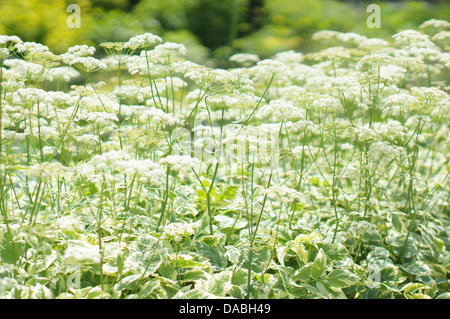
x,y
379,150
143,66
281,109
153,115
48,171
363,228
26,70
59,98
142,41
104,161
416,44
178,231
168,50
273,67
69,224
300,126
392,130
31,47
4,39
98,118
27,95
4,53
82,255
88,64
89,139
289,57
283,193
435,25
81,50
77,51
43,132
145,170
179,162
244,59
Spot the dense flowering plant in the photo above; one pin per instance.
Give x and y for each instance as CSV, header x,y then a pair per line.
x,y
319,175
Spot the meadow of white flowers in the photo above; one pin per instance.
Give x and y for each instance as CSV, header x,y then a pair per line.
x,y
145,175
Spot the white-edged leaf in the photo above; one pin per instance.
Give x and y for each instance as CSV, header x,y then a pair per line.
x,y
341,278
320,264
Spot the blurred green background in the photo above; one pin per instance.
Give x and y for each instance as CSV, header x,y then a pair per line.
x,y
211,30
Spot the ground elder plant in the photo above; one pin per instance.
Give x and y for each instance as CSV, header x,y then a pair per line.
x,y
128,171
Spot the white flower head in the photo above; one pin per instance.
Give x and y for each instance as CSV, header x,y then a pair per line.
x,y
31,47
169,49
281,109
81,50
81,255
283,193
272,66
178,231
435,25
244,59
142,41
290,57
178,162
4,39
87,64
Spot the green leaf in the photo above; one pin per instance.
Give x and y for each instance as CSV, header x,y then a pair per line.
x,y
310,238
188,261
417,268
233,254
410,250
97,293
304,274
281,253
412,287
227,223
10,251
45,260
237,292
239,277
378,253
314,181
430,241
140,262
214,255
312,289
326,291
336,252
228,193
198,294
193,275
392,273
341,278
294,289
167,270
418,296
445,295
128,282
319,265
149,287
202,225
300,250
218,284
260,257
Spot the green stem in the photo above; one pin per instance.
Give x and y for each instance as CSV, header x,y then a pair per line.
x,y
410,195
333,192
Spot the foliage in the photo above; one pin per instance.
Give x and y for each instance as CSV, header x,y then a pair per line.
x,y
306,175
